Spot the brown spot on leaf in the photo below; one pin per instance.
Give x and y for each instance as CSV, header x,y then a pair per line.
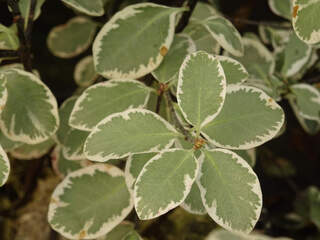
x,y
270,100
82,234
163,51
53,200
295,11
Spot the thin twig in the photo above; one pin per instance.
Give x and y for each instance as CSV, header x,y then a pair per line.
x,y
175,119
258,23
8,53
33,5
184,20
159,100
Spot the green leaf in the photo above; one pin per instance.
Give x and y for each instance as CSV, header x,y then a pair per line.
x,y
248,119
129,132
134,166
135,40
84,73
3,93
202,38
35,118
308,100
248,155
63,166
103,99
226,34
7,144
35,151
201,88
71,39
91,8
203,11
164,182
25,9
296,56
234,71
90,202
310,126
168,70
8,38
4,167
64,115
119,232
193,202
230,190
73,145
282,8
257,59
314,201
305,20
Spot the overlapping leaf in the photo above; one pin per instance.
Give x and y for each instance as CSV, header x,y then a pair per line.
x,y
31,112
103,99
201,81
129,132
164,182
248,119
72,38
230,190
105,201
282,8
92,7
8,38
4,167
124,49
234,71
193,202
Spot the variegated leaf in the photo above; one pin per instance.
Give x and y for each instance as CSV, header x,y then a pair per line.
x,y
129,132
92,7
164,182
282,8
234,71
103,99
103,203
71,39
248,119
201,88
84,73
4,167
230,190
31,112
124,49
193,202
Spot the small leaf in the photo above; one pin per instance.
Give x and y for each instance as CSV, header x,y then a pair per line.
x,y
230,190
193,202
307,100
296,56
119,232
248,119
8,38
203,11
92,7
142,48
4,167
35,118
71,39
25,10
201,88
103,203
248,155
234,71
168,70
35,151
103,99
84,73
164,182
202,38
129,132
257,59
134,166
63,166
226,34
305,20
73,145
282,8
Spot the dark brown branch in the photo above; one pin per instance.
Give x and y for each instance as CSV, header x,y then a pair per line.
x,y
9,54
33,5
175,119
184,20
258,23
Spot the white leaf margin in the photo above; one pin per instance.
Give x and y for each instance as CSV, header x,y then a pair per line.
x,y
125,115
59,191
5,158
188,181
255,188
269,102
108,84
81,66
128,12
180,86
84,10
50,99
